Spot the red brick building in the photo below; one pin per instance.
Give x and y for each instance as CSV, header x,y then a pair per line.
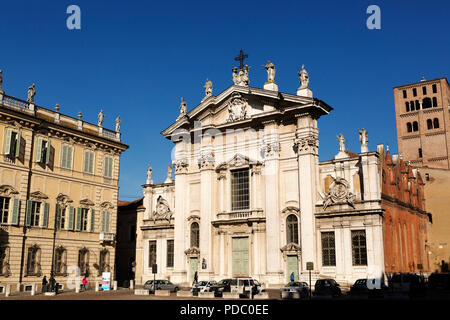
x,y
405,218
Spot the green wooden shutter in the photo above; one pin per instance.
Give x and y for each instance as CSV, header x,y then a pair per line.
x,y
86,161
7,142
103,221
15,212
78,226
69,157
71,218
107,221
45,220
91,162
47,154
92,220
57,213
39,150
18,138
63,157
28,213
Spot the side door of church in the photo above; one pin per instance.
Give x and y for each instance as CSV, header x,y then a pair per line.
x,y
292,266
193,262
240,263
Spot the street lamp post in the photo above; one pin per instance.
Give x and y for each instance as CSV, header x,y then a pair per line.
x,y
52,272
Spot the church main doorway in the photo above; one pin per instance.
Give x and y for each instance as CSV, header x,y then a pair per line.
x,y
292,266
240,263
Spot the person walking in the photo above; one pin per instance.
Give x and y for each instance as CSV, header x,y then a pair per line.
x,y
292,277
84,282
254,290
44,284
195,278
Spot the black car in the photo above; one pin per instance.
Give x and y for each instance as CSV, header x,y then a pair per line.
x,y
367,287
408,283
439,282
220,287
327,287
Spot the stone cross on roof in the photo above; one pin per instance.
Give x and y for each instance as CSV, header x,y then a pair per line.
x,y
241,58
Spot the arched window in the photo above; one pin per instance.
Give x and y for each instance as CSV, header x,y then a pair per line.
x,y
411,104
415,126
435,123
34,261
409,127
426,103
292,229
407,106
417,105
195,235
435,102
429,124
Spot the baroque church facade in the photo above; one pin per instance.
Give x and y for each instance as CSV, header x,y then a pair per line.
x,y
250,198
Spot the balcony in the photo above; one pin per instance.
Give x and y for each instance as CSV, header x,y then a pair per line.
x,y
240,216
106,237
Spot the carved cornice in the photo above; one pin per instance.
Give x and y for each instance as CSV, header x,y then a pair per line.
x,y
38,195
238,160
193,251
290,209
291,248
107,205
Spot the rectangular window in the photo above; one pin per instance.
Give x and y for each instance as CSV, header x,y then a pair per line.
x,y
414,92
11,146
328,249
359,249
66,157
62,217
84,219
170,250
35,213
88,166
151,253
240,190
404,93
4,209
108,167
132,233
434,88
43,151
420,152
424,90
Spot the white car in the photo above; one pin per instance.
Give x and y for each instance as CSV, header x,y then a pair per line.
x,y
243,285
204,286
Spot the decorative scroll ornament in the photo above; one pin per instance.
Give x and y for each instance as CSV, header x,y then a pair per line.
x,y
193,251
7,190
162,211
237,108
270,149
339,193
207,160
181,165
306,144
291,247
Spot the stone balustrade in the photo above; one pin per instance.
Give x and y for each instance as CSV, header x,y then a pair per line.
x,y
242,214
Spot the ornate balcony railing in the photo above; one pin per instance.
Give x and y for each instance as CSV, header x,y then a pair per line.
x,y
110,134
241,214
16,104
106,237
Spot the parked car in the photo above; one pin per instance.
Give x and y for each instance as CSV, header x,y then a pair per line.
x,y
327,287
408,283
367,287
295,286
439,282
160,285
204,286
243,286
221,287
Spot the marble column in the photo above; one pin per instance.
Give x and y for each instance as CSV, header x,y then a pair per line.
x,y
306,144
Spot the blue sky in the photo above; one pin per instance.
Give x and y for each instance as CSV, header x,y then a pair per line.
x,y
137,58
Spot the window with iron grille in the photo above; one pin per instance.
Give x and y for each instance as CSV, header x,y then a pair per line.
x,y
151,253
195,235
4,209
359,248
83,261
170,251
240,195
60,261
328,249
104,261
292,229
33,260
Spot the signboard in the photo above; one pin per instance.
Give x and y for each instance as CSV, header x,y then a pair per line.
x,y
154,268
309,266
106,280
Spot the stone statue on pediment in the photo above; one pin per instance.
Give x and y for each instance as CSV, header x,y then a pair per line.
x,y
304,78
149,175
183,108
1,81
270,68
208,88
31,93
341,140
118,122
363,138
100,118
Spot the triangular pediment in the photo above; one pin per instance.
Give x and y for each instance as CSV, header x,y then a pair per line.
x,y
238,160
38,195
238,104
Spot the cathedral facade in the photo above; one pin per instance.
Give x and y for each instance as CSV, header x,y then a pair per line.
x,y
250,198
